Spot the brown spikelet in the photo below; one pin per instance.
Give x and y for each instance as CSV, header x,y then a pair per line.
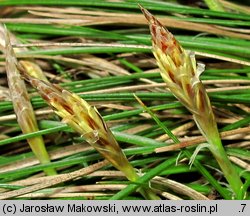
x,y
181,74
178,69
87,121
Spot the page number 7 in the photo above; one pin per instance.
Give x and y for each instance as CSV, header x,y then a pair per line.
x,y
243,207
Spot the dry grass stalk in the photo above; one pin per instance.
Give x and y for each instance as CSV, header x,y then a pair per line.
x,y
53,180
67,16
22,106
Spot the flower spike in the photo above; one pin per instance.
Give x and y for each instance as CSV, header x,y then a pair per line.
x,y
180,72
87,121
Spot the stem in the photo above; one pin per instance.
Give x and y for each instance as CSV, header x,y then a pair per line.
x,y
214,5
145,178
146,192
210,131
227,168
41,153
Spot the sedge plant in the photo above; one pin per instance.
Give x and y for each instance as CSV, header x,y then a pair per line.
x,y
86,120
180,72
22,106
